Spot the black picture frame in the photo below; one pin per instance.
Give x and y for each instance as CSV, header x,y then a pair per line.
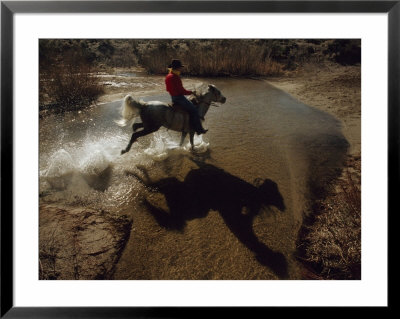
x,y
9,8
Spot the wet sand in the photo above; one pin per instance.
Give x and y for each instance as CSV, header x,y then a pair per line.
x,y
333,89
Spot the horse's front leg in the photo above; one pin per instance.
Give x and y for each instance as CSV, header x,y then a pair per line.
x,y
135,136
191,137
183,138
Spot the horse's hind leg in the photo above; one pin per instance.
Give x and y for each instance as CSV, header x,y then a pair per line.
x,y
137,126
136,135
183,138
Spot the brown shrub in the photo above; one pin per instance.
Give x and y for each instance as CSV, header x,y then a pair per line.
x,y
69,83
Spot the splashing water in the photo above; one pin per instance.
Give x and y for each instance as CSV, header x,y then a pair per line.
x,y
95,165
200,144
89,158
60,170
163,144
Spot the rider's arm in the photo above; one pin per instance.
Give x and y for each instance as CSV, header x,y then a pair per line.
x,y
178,87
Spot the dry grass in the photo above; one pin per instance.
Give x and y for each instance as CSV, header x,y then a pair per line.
x,y
330,241
212,57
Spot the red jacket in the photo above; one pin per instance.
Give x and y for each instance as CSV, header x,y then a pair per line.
x,y
174,85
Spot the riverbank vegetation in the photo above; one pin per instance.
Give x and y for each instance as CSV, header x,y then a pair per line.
x,y
66,81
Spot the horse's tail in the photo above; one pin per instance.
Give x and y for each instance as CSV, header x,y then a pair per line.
x,y
130,109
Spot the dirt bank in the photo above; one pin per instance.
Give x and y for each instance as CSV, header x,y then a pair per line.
x,y
330,240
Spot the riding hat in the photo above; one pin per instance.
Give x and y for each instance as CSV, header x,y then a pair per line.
x,y
175,64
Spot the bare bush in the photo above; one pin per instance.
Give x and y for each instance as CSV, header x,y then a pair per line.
x,y
69,83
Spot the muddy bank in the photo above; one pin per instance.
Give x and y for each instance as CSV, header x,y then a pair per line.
x,y
330,240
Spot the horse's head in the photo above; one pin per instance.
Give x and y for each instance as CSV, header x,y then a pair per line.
x,y
269,193
213,95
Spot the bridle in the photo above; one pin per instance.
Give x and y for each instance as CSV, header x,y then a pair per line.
x,y
215,96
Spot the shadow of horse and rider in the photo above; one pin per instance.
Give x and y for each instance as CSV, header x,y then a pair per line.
x,y
211,188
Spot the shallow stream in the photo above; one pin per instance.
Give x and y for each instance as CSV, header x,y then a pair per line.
x,y
229,210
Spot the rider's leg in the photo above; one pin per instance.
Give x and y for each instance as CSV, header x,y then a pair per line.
x,y
193,113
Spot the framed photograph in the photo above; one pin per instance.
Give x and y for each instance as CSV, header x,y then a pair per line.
x,y
169,159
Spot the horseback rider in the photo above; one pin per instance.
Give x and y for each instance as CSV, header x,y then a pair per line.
x,y
175,88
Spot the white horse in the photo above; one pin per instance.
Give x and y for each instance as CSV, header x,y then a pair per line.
x,y
155,114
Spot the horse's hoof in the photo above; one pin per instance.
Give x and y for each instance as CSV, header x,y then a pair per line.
x,y
123,152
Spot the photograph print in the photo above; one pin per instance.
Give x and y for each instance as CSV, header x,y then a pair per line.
x,y
199,159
